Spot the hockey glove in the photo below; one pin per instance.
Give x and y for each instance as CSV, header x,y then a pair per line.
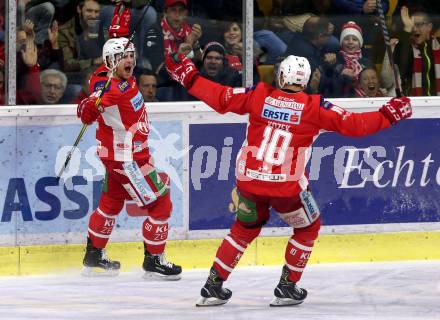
x,y
120,22
181,69
87,110
397,109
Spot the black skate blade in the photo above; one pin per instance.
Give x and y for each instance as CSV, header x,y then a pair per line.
x,y
94,272
210,302
154,276
284,302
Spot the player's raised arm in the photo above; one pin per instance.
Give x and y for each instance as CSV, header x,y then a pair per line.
x,y
335,118
221,98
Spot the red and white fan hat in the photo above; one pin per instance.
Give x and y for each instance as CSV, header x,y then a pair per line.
x,y
351,29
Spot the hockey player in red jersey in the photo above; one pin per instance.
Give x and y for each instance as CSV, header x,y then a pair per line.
x,y
283,124
122,135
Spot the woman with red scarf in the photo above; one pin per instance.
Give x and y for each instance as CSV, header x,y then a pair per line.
x,y
350,61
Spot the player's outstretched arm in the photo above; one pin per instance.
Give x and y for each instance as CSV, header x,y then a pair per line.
x,y
335,118
221,98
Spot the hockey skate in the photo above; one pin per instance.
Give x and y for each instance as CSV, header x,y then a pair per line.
x,y
213,293
157,267
97,264
287,293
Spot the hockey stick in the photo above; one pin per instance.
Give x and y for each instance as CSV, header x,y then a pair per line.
x,y
100,94
386,37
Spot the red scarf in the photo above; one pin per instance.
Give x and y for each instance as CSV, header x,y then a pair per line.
x,y
172,38
234,62
351,61
417,89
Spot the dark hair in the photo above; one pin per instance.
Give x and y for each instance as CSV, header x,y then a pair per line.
x,y
226,25
144,72
315,26
368,68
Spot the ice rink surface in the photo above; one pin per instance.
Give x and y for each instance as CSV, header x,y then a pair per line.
x,y
397,290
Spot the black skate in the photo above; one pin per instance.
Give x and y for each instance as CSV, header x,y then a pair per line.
x,y
213,293
96,263
287,293
157,267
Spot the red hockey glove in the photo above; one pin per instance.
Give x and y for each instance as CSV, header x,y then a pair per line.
x,y
183,71
87,110
120,22
397,109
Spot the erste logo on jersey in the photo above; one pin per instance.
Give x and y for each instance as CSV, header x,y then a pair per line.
x,y
281,114
137,101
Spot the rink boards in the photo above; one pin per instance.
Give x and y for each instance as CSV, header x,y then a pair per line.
x,y
379,196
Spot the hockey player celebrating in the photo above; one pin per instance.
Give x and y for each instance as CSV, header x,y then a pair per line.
x,y
283,124
122,135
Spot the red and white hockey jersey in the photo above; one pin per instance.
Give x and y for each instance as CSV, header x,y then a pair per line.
x,y
123,127
282,127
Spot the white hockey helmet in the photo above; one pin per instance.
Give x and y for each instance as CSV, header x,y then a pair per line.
x,y
294,70
113,50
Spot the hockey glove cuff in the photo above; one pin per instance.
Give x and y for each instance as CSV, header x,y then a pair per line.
x,y
181,70
397,109
87,110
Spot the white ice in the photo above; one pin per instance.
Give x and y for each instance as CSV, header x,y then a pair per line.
x,y
398,290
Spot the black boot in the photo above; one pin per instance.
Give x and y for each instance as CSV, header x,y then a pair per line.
x,y
213,293
96,262
287,292
156,266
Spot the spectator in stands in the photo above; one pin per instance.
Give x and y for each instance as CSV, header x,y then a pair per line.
x,y
28,71
53,85
364,12
233,44
418,55
50,54
350,61
368,85
80,41
85,91
216,68
173,34
147,83
309,43
41,14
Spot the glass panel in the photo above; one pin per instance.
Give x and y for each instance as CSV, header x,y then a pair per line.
x,y
2,53
344,43
62,47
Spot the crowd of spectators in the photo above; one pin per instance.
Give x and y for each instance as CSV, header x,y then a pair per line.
x,y
59,45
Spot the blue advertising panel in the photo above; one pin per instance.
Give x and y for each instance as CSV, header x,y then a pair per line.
x,y
389,177
34,203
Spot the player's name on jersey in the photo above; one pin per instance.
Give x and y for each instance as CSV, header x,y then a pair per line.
x,y
284,104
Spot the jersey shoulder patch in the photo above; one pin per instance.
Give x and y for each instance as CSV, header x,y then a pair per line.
x,y
252,88
99,85
123,86
325,103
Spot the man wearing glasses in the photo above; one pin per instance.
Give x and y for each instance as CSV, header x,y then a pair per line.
x,y
418,55
53,85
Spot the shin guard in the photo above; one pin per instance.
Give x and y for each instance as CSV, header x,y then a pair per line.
x,y
232,248
297,255
155,234
100,228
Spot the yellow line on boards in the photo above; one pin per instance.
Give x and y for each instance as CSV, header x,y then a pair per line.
x,y
32,260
